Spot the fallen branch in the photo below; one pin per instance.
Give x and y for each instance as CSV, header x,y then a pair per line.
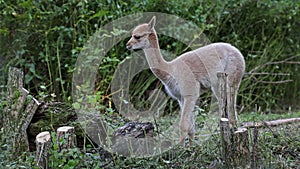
x,y
270,123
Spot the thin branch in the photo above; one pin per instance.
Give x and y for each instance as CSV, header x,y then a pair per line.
x,y
266,73
287,60
272,82
275,82
294,63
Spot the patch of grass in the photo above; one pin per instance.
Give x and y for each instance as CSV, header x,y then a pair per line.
x,y
278,147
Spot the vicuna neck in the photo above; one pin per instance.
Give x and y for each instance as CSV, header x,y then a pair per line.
x,y
157,63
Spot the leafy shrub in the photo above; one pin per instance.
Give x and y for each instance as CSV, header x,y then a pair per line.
x,y
44,38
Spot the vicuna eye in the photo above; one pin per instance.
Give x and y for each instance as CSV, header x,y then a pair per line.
x,y
137,37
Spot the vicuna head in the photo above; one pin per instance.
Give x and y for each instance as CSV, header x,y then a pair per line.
x,y
142,35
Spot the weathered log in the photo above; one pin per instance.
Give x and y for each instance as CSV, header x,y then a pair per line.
x,y
136,130
18,112
43,144
65,137
134,139
270,123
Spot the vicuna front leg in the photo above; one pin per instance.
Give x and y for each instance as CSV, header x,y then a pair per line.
x,y
187,119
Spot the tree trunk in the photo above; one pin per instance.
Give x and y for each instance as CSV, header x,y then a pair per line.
x,y
18,112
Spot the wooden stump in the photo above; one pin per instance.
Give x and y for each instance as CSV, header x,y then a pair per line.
x,y
241,147
18,112
235,143
65,137
43,144
226,136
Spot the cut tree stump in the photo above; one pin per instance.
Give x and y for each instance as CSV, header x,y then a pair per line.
x,y
65,137
43,144
235,140
226,136
241,146
18,112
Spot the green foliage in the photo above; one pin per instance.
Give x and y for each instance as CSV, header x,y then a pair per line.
x,y
267,34
66,158
278,148
44,38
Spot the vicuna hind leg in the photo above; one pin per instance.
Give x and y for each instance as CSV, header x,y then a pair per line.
x,y
187,119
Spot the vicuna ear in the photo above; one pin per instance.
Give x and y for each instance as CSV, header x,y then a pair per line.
x,y
151,24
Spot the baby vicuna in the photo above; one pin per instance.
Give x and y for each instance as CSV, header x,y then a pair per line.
x,y
190,74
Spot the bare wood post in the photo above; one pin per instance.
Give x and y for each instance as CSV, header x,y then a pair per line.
x,y
232,116
222,81
43,144
65,137
226,136
225,126
235,143
18,112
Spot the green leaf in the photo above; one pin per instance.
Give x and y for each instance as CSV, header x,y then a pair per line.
x,y
99,14
76,105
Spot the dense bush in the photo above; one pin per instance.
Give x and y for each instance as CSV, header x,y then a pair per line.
x,y
44,38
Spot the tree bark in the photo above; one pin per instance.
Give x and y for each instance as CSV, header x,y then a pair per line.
x,y
254,158
241,145
226,136
222,81
18,112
